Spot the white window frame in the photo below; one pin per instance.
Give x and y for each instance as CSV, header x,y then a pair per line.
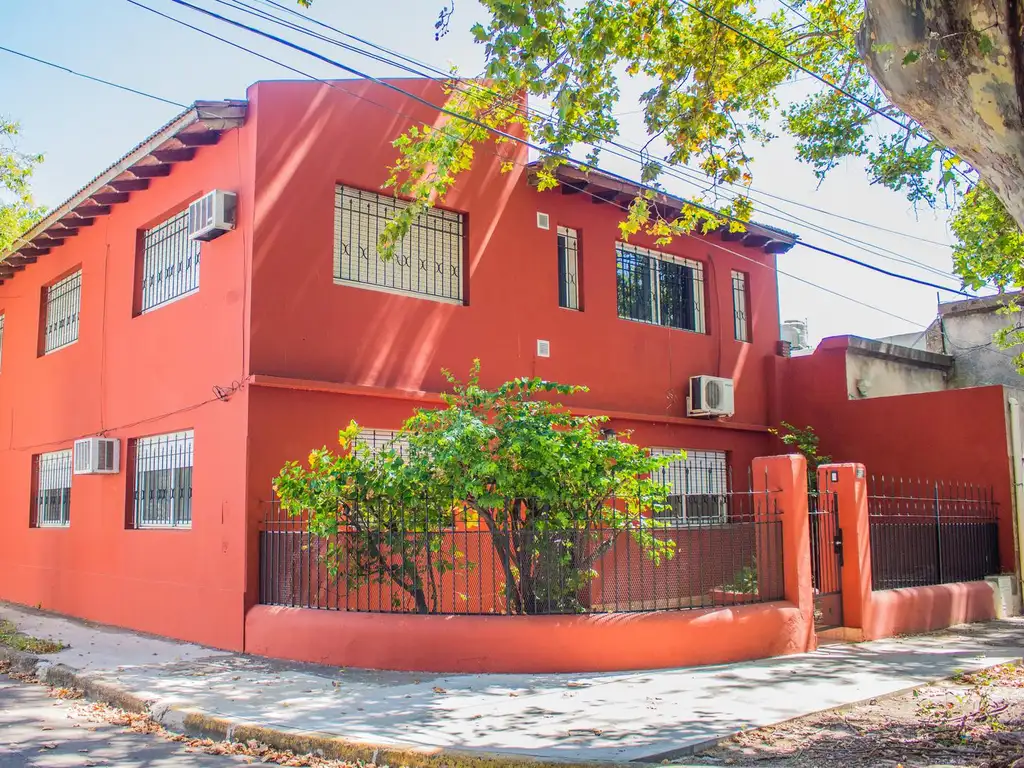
x,y
62,307
701,474
162,488
2,318
170,263
378,440
740,306
568,269
429,262
52,476
699,309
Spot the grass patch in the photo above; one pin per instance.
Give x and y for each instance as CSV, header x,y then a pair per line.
x,y
12,638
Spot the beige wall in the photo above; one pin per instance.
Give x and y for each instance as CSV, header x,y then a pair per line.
x,y
874,377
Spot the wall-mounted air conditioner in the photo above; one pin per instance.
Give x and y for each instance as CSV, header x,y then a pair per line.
x,y
212,215
710,396
97,456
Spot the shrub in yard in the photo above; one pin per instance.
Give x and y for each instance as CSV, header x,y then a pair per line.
x,y
548,489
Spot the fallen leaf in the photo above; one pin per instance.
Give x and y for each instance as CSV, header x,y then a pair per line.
x,y
49,745
439,689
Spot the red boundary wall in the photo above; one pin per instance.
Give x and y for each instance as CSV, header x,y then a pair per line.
x,y
884,613
588,643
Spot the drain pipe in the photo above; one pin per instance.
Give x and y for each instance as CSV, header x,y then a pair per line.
x,y
1018,486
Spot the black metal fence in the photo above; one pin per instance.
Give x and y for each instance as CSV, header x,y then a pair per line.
x,y
449,560
925,532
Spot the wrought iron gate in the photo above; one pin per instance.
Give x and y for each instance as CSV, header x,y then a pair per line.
x,y
826,558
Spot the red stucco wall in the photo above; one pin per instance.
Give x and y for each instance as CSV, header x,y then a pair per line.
x,y
129,377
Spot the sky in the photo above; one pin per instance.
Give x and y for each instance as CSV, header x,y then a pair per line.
x,y
82,127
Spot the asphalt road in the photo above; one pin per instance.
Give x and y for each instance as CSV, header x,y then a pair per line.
x,y
39,731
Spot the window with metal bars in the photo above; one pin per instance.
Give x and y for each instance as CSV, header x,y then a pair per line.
x,y
660,289
52,483
427,262
699,487
63,302
741,321
162,481
170,262
2,341
380,439
568,268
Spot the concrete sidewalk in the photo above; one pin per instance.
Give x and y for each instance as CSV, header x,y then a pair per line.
x,y
636,716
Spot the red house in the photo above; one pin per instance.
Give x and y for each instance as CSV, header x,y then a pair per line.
x,y
211,363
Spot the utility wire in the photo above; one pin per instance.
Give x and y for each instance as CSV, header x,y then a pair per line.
x,y
421,100
93,79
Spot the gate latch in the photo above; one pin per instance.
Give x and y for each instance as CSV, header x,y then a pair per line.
x,y
837,545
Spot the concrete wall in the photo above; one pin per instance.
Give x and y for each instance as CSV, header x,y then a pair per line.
x,y
968,328
868,376
131,376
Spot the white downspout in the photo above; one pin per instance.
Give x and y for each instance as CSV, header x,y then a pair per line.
x,y
1018,486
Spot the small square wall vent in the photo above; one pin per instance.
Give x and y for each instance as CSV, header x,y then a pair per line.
x,y
543,221
543,348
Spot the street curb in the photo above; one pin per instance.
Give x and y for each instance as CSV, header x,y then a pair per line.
x,y
200,725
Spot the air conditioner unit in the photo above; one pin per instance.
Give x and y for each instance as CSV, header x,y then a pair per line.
x,y
710,396
212,215
97,456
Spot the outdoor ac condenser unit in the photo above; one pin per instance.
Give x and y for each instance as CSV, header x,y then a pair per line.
x,y
212,215
97,456
710,396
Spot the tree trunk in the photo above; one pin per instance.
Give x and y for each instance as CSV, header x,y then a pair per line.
x,y
967,86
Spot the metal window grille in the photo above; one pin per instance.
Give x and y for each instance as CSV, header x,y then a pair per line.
x,y
53,489
63,303
1,341
380,439
428,261
741,323
568,268
699,487
660,289
162,492
170,262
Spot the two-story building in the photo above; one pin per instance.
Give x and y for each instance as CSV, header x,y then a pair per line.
x,y
213,363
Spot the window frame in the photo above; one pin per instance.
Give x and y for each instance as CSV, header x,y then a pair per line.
x,y
740,282
715,484
387,206
74,299
167,462
569,291
378,440
166,252
652,284
47,470
3,320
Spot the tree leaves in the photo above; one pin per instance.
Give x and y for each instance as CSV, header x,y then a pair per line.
x,y
18,211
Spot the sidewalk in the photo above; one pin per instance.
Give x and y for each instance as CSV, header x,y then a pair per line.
x,y
636,716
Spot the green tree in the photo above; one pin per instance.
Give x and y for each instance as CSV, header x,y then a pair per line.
x,y
18,211
547,488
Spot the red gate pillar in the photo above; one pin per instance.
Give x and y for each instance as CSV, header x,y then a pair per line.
x,y
784,480
849,483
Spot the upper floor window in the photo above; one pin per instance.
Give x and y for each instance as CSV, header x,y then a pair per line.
x,y
162,480
568,268
740,316
427,262
698,487
2,341
52,483
170,262
63,302
659,288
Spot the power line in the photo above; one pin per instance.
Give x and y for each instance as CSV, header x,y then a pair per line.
x,y
510,137
93,79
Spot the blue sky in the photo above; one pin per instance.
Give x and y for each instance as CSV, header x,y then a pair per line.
x,y
82,127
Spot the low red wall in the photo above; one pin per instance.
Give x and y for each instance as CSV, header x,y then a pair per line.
x,y
924,609
590,643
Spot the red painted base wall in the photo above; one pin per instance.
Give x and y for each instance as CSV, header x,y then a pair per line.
x,y
596,643
925,609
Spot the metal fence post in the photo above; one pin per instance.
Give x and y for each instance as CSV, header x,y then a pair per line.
x,y
938,535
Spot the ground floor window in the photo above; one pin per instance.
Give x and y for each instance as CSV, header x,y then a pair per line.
x,y
162,481
52,481
699,487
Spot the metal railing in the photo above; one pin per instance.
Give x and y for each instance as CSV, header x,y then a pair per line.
x,y
170,262
460,564
926,532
